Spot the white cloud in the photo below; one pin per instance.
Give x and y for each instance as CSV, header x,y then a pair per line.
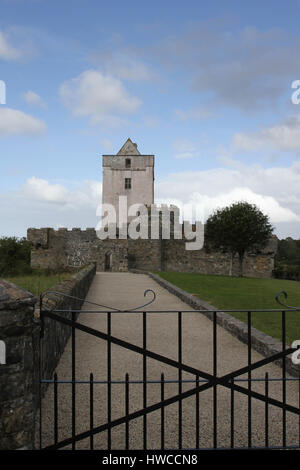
x,y
276,191
267,204
40,203
7,51
40,190
101,97
284,136
13,122
33,99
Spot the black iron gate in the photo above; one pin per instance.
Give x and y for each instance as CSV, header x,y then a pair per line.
x,y
198,380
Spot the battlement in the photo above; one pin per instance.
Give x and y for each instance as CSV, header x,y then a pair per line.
x,y
42,237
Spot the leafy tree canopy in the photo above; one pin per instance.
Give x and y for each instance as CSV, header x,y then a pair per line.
x,y
288,251
237,228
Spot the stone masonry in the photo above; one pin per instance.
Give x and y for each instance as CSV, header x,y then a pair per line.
x,y
69,249
18,376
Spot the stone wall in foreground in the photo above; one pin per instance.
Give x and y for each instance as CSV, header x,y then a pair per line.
x,y
19,363
18,375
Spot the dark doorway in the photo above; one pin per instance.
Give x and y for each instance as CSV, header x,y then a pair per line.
x,y
108,262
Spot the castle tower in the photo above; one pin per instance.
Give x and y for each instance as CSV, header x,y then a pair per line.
x,y
128,173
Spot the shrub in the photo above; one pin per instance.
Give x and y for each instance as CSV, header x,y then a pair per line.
x,y
14,256
285,271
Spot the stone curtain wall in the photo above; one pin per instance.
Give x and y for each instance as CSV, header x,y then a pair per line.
x,y
61,248
176,258
68,249
145,254
20,331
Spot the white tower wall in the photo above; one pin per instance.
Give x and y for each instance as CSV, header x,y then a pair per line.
x,y
128,164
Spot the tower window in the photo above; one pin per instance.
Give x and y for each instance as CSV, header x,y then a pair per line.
x,y
128,163
127,183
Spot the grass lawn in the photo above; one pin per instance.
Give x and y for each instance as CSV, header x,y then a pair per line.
x,y
235,293
37,282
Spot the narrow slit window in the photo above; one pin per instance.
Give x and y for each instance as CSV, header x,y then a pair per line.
x,y
127,183
128,163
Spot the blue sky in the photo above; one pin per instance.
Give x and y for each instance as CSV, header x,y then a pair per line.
x,y
205,86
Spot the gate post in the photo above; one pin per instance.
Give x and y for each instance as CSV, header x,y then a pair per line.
x,y
18,367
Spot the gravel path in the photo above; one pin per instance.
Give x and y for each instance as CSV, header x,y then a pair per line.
x,y
125,290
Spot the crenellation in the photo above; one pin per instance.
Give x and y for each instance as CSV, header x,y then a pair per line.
x,y
68,249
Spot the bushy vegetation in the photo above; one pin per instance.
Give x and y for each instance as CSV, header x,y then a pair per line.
x,y
14,256
287,261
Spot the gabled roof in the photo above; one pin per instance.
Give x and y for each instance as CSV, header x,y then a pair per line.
x,y
129,148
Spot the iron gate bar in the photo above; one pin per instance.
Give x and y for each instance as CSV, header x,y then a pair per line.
x,y
215,357
91,409
55,410
179,329
162,412
211,379
232,414
267,411
144,379
249,381
109,378
127,410
73,382
283,330
157,406
100,305
197,416
266,310
167,381
129,346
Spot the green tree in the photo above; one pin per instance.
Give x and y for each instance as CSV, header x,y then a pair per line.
x,y
14,256
288,251
236,229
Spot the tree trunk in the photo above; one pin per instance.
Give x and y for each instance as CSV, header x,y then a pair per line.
x,y
241,258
